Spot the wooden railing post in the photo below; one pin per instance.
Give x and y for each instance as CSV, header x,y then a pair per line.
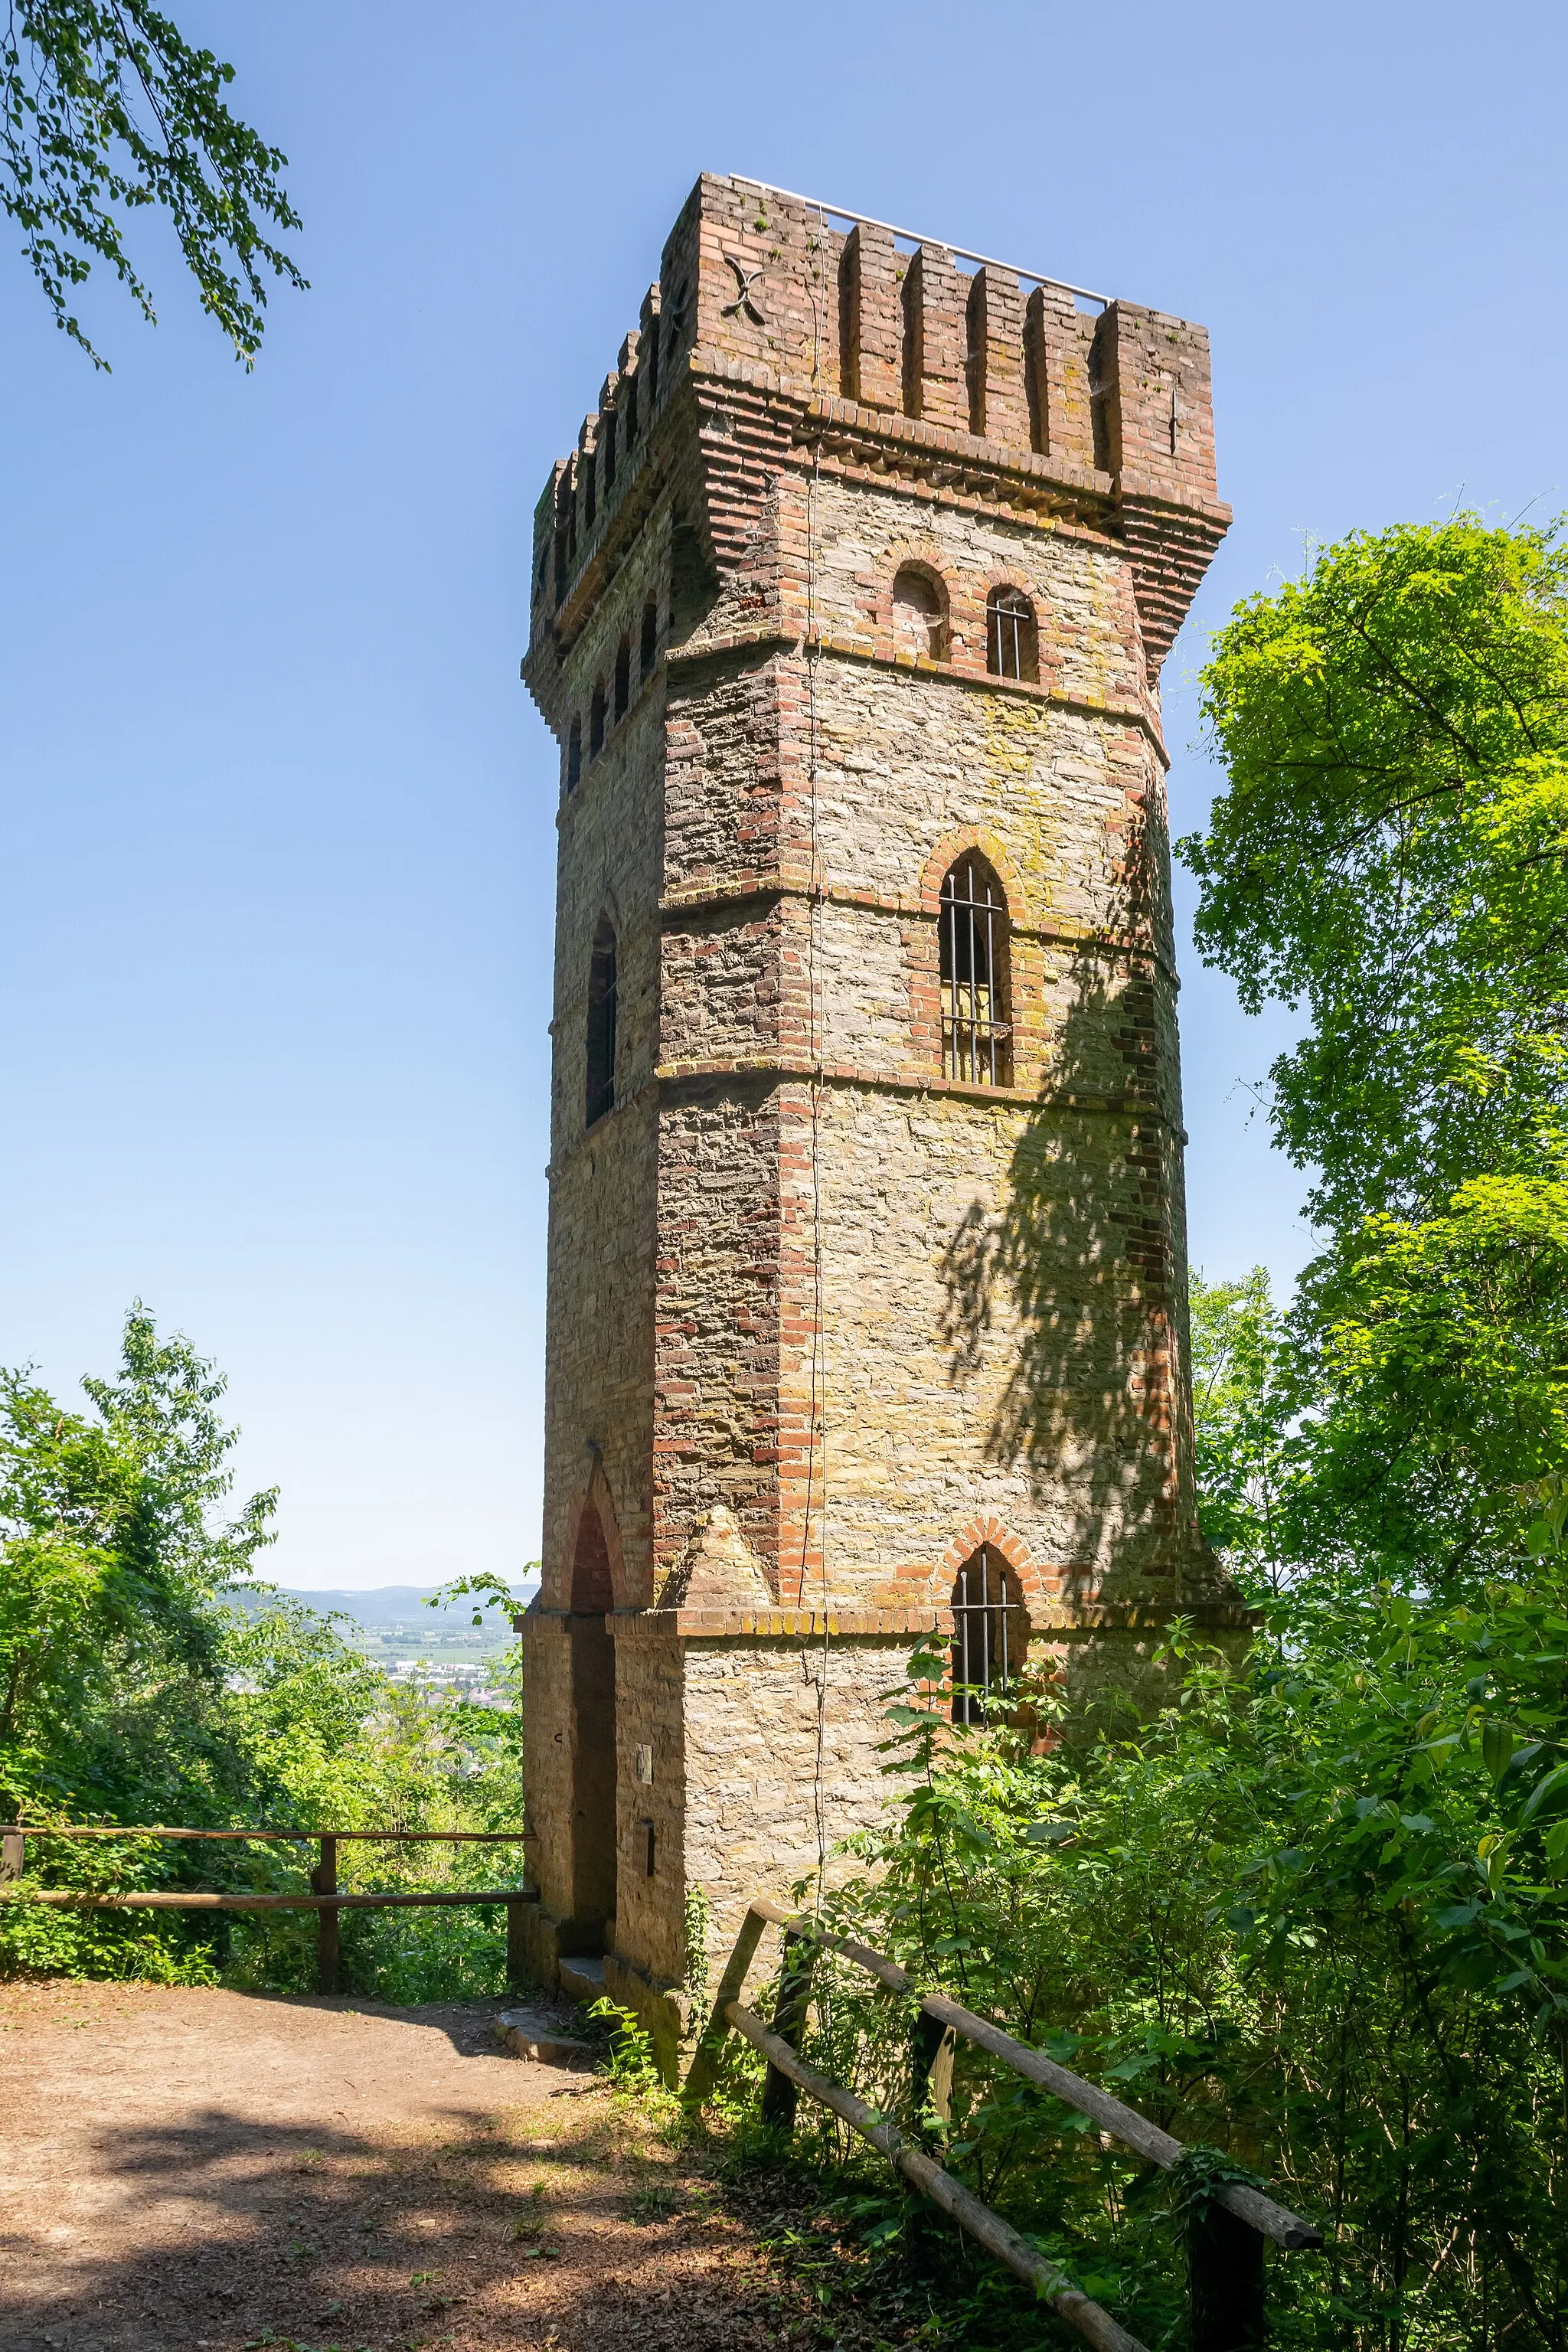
x,y
13,1854
780,2095
324,1881
516,1946
1225,2282
930,2070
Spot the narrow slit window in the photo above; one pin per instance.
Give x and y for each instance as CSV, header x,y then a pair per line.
x,y
972,921
1012,642
575,756
629,401
623,676
601,1022
649,651
590,492
990,1638
974,357
608,443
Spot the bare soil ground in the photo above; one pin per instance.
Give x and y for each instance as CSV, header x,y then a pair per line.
x,y
201,2171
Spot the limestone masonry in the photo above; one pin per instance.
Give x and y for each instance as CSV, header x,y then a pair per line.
x,y
867,1267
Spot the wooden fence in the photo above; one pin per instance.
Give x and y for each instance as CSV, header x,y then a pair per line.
x,y
1226,2232
325,1896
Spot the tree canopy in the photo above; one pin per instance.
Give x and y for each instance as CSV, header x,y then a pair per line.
x,y
1390,851
105,110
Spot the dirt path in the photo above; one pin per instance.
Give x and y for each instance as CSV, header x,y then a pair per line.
x,y
186,2169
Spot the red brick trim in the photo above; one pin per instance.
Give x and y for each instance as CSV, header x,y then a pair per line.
x,y
932,561
597,1491
1039,1585
952,847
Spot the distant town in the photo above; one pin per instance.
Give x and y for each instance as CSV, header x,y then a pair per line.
x,y
438,1650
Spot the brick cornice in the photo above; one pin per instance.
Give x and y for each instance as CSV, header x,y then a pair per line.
x,y
902,1624
784,1069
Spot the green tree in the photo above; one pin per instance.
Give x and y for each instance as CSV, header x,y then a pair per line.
x,y
1247,1453
106,110
1390,851
113,1552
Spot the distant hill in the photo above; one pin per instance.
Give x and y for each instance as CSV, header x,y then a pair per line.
x,y
395,1622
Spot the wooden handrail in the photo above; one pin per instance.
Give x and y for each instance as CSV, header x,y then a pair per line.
x,y
1226,2278
1123,2122
285,1837
72,1898
1052,2285
324,1897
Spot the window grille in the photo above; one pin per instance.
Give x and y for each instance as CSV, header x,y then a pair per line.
x,y
974,930
602,1023
989,1636
1012,649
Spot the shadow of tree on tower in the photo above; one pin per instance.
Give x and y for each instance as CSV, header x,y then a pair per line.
x,y
1061,1296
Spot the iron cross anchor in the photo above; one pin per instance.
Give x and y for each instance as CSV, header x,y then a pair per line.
x,y
744,298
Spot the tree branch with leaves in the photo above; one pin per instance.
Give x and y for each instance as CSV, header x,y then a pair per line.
x,y
106,111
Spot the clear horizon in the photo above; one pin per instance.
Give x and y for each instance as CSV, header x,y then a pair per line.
x,y
279,817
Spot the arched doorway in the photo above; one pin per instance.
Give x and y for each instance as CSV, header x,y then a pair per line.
x,y
592,1730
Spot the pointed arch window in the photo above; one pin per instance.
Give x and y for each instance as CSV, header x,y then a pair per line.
x,y
990,1637
601,1057
977,1037
1012,639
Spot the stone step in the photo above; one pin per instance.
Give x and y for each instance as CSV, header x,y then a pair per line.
x,y
530,2034
582,1976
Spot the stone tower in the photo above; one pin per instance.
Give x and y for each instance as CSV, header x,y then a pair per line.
x,y
868,1269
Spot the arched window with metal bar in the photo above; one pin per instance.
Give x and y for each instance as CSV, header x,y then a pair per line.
x,y
989,1636
977,1036
1012,639
601,1055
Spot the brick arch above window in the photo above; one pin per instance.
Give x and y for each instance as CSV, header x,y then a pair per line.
x,y
924,558
1039,1585
978,838
985,584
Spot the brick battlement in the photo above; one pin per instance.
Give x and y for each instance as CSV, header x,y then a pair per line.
x,y
799,339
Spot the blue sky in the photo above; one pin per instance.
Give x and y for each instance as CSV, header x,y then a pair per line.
x,y
279,818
